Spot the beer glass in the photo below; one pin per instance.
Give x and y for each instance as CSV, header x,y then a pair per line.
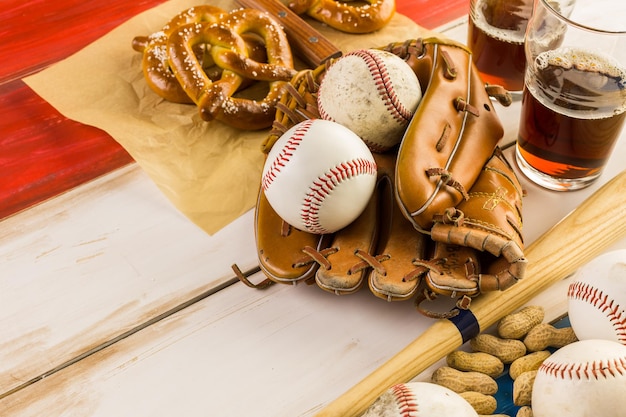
x,y
495,35
575,91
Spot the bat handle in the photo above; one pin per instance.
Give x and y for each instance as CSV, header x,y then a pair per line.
x,y
310,45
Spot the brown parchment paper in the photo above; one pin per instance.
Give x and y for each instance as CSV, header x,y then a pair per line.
x,y
209,171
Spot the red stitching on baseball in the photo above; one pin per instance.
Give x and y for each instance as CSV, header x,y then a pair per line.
x,y
597,298
407,403
585,371
285,153
375,147
383,84
324,185
324,115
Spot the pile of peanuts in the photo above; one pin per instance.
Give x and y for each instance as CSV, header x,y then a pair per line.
x,y
522,343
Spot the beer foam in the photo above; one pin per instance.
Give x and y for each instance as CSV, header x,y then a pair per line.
x,y
504,35
568,58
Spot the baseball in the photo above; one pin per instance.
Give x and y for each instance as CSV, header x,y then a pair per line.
x,y
597,299
373,93
319,176
585,378
420,399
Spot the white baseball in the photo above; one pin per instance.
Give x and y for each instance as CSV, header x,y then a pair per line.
x,y
583,379
373,93
597,299
319,176
420,399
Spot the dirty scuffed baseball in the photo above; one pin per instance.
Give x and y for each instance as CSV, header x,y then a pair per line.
x,y
420,399
372,92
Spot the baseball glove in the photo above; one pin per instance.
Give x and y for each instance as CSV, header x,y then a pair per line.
x,y
453,132
478,245
446,194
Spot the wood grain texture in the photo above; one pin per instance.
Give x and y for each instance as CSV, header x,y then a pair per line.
x,y
37,33
83,269
311,46
43,154
431,14
282,352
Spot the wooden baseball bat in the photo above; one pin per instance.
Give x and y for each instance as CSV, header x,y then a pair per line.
x,y
587,231
310,45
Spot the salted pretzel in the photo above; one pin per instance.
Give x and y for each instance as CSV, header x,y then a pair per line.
x,y
348,16
279,69
155,62
228,50
186,68
279,64
158,72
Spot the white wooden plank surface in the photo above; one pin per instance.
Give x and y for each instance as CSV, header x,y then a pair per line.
x,y
286,351
87,266
283,352
95,263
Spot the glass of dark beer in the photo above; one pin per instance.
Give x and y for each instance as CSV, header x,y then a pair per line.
x,y
574,98
496,30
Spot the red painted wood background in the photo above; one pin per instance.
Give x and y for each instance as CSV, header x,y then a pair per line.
x,y
42,153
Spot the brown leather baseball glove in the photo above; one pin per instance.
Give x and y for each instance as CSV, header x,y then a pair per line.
x,y
426,200
478,244
453,132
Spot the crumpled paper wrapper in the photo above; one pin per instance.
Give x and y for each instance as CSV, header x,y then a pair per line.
x,y
209,171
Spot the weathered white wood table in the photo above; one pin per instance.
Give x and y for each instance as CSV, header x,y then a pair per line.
x,y
114,304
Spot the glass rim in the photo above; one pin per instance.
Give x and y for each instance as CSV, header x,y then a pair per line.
x,y
578,25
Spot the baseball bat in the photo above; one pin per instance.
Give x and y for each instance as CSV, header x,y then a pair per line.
x,y
310,45
583,234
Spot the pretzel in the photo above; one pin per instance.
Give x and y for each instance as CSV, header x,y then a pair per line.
x,y
155,62
359,17
205,55
228,50
247,113
280,61
197,14
159,75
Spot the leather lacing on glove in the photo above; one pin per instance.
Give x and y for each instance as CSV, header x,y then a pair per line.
x,y
479,243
